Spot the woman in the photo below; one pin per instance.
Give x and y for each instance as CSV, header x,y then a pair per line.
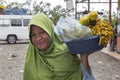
x,y
47,57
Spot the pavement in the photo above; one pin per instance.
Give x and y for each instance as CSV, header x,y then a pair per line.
x,y
12,57
114,54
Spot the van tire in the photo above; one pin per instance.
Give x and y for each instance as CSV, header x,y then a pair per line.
x,y
11,39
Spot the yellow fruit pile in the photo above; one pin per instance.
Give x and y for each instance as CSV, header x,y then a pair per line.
x,y
2,7
86,20
99,27
93,16
104,30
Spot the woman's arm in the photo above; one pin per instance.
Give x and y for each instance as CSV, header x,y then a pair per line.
x,y
85,61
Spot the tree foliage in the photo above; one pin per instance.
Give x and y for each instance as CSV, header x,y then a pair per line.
x,y
105,17
54,13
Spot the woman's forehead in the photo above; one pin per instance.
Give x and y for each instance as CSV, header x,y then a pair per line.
x,y
34,27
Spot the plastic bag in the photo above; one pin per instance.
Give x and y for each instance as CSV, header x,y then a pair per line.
x,y
87,75
70,29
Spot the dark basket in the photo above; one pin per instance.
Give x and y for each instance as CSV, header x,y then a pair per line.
x,y
88,45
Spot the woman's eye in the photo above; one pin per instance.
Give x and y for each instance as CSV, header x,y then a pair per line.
x,y
32,35
42,32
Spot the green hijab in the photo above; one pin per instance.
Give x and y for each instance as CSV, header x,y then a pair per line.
x,y
56,63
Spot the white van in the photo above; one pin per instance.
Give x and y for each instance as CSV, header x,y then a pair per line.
x,y
14,27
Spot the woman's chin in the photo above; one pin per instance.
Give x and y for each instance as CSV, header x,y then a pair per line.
x,y
42,48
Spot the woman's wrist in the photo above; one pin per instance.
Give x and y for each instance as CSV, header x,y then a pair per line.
x,y
85,61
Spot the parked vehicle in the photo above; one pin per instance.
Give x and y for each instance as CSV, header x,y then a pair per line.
x,y
14,27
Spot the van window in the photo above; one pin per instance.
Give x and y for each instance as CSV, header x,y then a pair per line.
x,y
25,22
16,22
4,23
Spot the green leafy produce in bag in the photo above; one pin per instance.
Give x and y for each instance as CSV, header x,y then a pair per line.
x,y
70,29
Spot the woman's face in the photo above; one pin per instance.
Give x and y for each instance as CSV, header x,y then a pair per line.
x,y
40,38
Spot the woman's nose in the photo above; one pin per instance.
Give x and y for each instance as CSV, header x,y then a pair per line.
x,y
39,37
